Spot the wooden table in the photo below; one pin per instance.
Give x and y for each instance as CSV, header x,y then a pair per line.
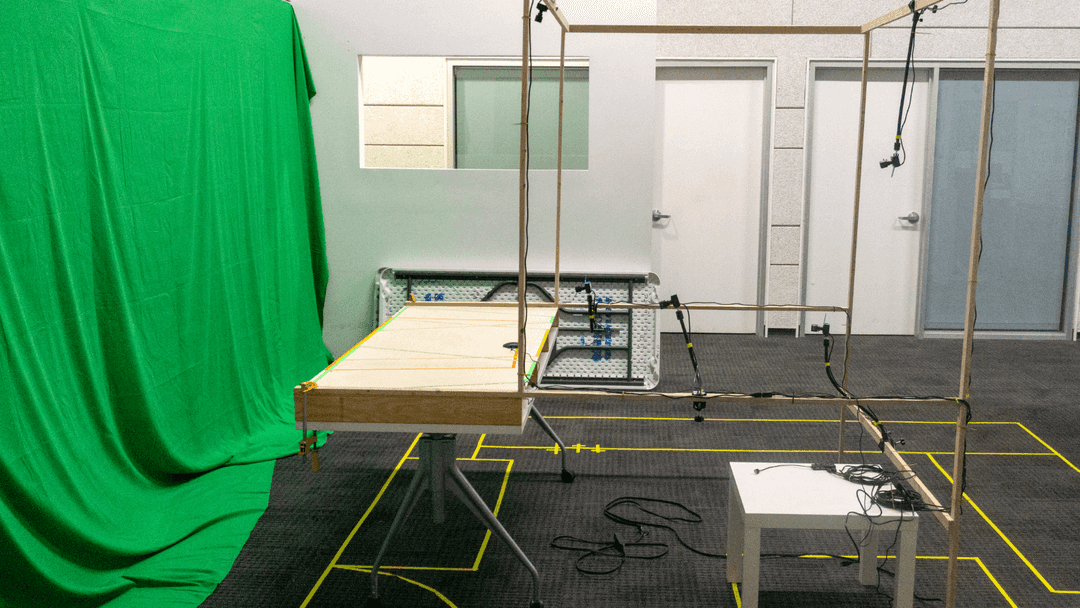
x,y
793,496
437,370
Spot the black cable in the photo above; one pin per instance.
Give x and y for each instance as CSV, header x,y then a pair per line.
x,y
644,505
936,7
699,389
886,491
619,550
886,437
879,489
901,117
528,111
911,99
909,63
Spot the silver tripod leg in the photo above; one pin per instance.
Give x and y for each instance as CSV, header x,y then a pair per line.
x,y
476,504
438,469
535,414
412,496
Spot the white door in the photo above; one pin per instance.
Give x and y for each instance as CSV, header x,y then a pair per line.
x,y
887,268
710,126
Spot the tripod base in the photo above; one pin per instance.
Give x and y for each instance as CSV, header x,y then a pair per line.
x,y
438,471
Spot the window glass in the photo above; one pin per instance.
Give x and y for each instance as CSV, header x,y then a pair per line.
x,y
487,115
1027,208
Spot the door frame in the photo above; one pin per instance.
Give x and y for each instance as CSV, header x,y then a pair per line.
x,y
769,116
1071,295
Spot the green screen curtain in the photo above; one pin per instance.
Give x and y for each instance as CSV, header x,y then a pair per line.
x,y
162,273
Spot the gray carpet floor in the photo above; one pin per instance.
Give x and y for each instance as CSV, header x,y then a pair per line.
x,y
1019,535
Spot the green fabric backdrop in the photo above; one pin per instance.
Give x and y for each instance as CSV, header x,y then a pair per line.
x,y
162,272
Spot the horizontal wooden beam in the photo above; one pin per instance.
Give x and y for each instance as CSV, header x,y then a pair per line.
x,y
714,29
558,14
367,393
899,13
942,515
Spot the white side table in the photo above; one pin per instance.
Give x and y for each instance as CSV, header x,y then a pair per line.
x,y
797,497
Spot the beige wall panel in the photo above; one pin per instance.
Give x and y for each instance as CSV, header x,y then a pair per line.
x,y
784,245
791,81
696,12
839,12
784,289
590,12
727,46
1014,13
939,43
789,128
971,44
787,188
1037,44
405,157
405,125
791,53
403,80
776,45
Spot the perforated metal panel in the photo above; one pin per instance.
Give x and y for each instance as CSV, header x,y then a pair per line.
x,y
623,351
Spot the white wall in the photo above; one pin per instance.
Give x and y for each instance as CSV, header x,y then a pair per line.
x,y
468,219
452,218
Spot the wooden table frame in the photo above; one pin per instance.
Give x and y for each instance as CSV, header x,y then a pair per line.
x,y
950,519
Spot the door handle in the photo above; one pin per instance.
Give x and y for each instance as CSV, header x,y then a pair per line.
x,y
657,216
911,217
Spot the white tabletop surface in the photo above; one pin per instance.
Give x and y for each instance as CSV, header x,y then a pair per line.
x,y
796,489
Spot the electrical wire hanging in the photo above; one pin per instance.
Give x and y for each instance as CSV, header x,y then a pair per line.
x,y
896,160
525,235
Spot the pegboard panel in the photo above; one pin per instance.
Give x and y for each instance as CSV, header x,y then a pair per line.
x,y
621,351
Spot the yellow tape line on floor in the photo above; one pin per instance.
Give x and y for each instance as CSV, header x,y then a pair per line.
x,y
1019,554
363,518
502,491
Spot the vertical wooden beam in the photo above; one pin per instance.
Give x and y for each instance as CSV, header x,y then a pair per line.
x,y
558,172
522,178
855,211
969,316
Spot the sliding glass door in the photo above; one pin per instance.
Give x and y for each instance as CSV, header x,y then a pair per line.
x,y
1028,212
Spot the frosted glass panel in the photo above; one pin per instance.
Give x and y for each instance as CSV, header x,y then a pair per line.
x,y
1026,213
487,108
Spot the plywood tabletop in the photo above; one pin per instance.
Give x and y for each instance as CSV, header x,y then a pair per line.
x,y
436,350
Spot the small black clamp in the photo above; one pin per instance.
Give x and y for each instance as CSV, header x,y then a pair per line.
x,y
699,406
